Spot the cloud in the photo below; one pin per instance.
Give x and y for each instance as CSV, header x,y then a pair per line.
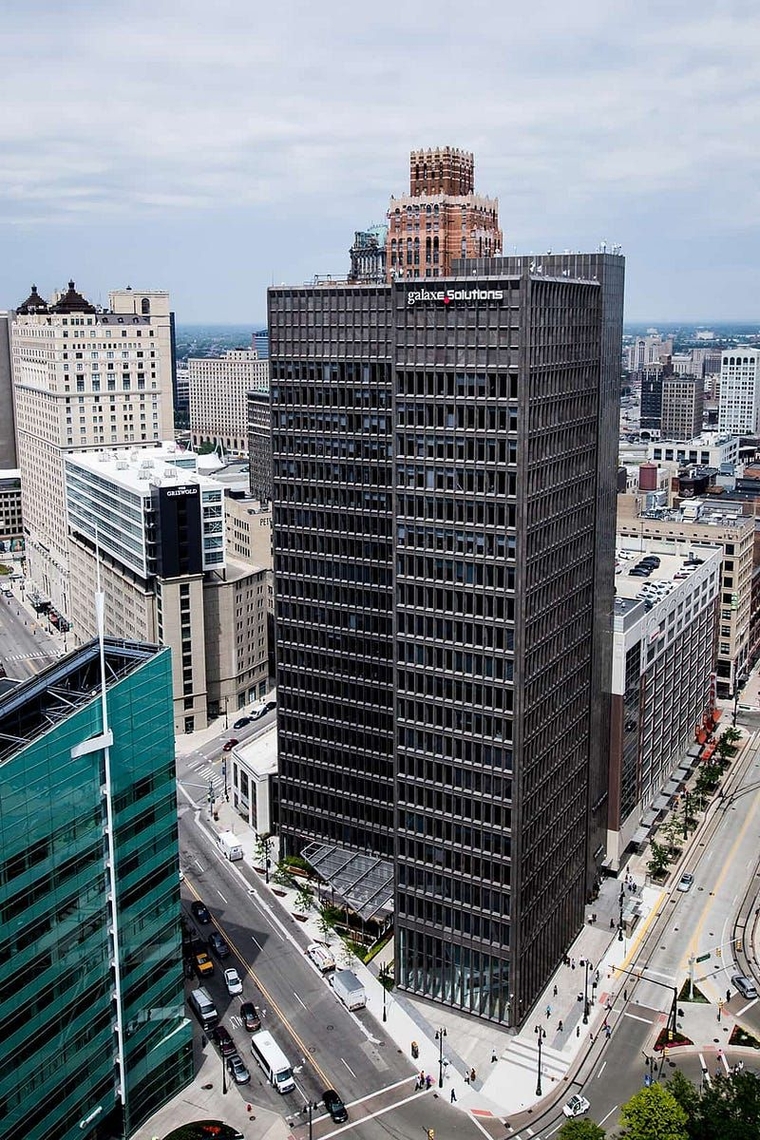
x,y
581,113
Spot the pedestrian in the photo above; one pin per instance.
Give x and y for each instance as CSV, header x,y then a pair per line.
x,y
559,1027
467,1078
625,995
472,1076
548,1011
612,924
591,1038
597,975
728,995
577,1031
494,1058
453,1097
608,1031
422,1078
555,991
428,1081
572,963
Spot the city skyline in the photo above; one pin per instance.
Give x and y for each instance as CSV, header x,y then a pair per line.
x,y
201,165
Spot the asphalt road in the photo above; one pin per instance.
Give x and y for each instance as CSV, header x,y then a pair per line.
x,y
25,647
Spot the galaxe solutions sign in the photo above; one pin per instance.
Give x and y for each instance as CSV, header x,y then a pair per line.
x,y
447,296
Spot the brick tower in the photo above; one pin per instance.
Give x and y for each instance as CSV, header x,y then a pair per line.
x,y
441,218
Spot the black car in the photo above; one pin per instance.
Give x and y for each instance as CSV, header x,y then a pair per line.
x,y
237,1068
223,1039
244,720
217,945
270,705
334,1106
250,1016
200,912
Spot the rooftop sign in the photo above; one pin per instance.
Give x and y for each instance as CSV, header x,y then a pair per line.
x,y
446,296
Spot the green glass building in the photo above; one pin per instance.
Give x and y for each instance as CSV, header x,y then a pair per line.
x,y
93,1034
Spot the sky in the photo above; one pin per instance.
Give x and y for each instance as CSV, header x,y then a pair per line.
x,y
213,149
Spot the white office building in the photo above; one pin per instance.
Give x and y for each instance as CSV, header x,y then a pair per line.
x,y
739,401
219,390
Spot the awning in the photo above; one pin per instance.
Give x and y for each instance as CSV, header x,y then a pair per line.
x,y
640,835
694,751
672,786
660,802
363,882
648,818
716,715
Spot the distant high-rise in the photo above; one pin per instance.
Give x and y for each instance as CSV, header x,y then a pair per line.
x,y
83,378
443,522
7,416
739,399
441,218
219,388
682,407
368,256
260,342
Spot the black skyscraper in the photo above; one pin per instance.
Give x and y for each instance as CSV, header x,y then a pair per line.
x,y
442,486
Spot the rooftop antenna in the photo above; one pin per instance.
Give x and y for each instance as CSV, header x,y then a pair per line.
x,y
107,739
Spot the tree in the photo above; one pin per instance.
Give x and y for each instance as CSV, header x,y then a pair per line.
x,y
653,1114
687,1096
731,734
304,898
385,976
730,1108
658,861
672,833
581,1130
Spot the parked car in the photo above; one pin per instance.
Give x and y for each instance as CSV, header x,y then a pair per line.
x,y
269,705
237,1068
232,981
685,882
745,986
244,720
200,912
576,1106
257,713
217,945
230,744
250,1016
223,1040
334,1106
204,967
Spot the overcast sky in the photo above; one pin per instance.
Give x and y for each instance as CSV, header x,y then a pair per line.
x,y
215,148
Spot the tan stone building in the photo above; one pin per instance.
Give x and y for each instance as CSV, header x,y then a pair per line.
x,y
248,529
721,524
83,378
219,388
441,218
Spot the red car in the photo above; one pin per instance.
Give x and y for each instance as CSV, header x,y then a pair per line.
x,y
230,745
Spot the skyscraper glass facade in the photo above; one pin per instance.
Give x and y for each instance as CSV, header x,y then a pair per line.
x,y
76,1028
484,572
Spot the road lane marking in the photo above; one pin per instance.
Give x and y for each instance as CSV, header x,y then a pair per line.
x,y
609,1114
298,999
261,948
743,1011
380,1112
344,1061
604,1065
646,1020
221,896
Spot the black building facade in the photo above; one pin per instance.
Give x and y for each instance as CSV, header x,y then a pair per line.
x,y
438,499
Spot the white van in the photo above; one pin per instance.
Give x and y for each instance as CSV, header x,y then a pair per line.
x,y
202,1005
273,1061
321,956
230,846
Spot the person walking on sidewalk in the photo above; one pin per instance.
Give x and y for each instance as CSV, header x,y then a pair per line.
x,y
453,1097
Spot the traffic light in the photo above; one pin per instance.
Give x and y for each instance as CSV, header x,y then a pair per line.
x,y
738,944
718,952
431,1133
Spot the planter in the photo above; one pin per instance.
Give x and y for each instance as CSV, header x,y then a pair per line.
x,y
275,891
300,917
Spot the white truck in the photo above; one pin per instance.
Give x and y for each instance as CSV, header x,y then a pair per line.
x,y
321,956
230,846
349,989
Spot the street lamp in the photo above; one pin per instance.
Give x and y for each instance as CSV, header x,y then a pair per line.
x,y
686,815
620,919
308,1108
439,1036
585,996
224,1073
541,1034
